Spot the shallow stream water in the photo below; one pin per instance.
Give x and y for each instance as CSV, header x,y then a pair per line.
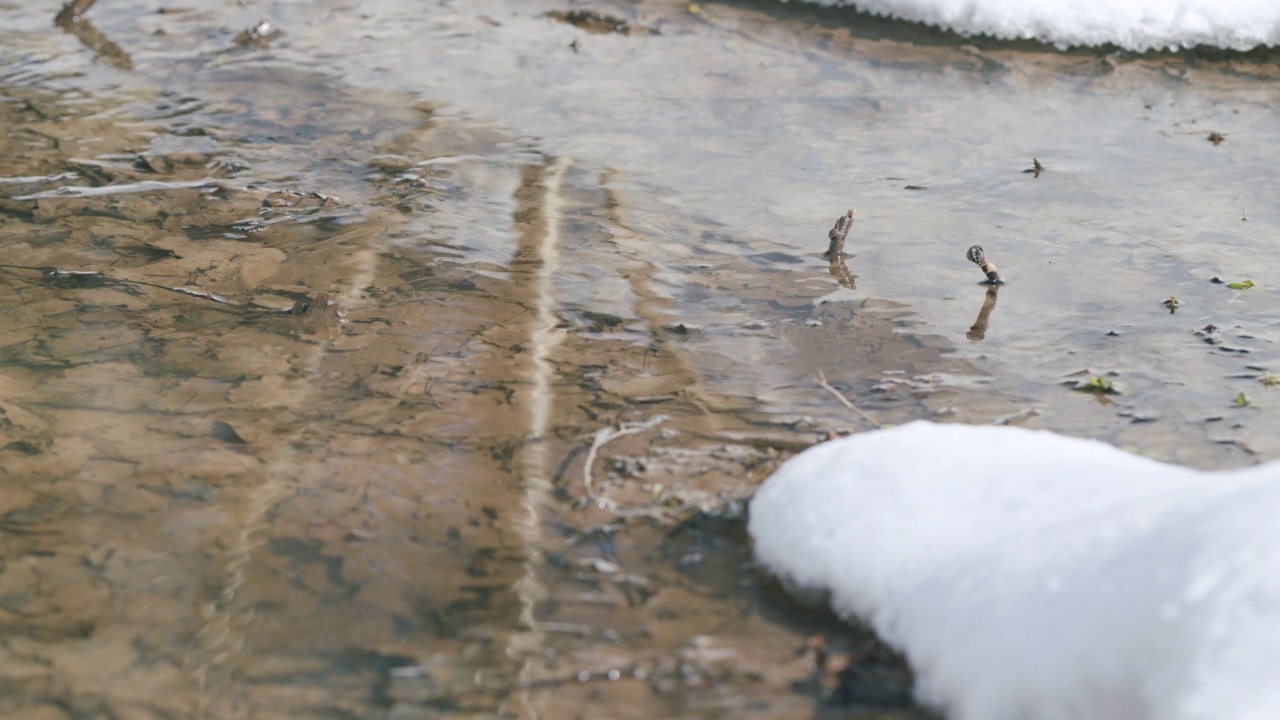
x,y
552,238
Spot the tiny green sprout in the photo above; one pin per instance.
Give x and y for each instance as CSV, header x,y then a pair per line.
x,y
1241,400
1242,285
1098,384
1269,379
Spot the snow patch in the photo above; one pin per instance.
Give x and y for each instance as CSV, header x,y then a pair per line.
x,y
1131,24
1027,575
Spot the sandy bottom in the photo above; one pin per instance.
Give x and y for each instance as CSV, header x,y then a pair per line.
x,y
580,310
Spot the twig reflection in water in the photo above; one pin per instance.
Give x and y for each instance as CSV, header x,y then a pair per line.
x,y
71,19
978,330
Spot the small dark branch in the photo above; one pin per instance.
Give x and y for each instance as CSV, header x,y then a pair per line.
x,y
72,11
978,256
1035,169
838,235
96,278
979,329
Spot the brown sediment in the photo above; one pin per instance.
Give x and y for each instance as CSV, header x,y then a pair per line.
x,y
192,491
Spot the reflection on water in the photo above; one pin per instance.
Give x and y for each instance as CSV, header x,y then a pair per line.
x,y
978,330
576,319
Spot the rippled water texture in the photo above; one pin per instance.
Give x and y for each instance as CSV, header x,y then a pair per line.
x,y
580,310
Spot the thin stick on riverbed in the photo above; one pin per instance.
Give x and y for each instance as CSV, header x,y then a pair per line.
x,y
96,278
822,380
607,435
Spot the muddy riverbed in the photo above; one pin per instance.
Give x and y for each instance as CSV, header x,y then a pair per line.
x,y
416,361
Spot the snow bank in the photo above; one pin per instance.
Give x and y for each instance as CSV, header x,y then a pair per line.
x,y
1131,24
1031,576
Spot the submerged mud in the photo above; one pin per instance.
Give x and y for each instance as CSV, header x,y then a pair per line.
x,y
330,389
229,498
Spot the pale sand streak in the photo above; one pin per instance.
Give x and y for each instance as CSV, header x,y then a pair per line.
x,y
225,627
526,647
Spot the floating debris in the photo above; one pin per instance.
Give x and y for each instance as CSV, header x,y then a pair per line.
x,y
1098,384
594,22
257,36
1172,303
1216,138
1210,334
1035,169
1242,285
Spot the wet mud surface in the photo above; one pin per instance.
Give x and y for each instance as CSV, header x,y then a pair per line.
x,y
330,389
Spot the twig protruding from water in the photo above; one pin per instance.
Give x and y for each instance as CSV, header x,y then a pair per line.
x,y
837,235
978,256
72,11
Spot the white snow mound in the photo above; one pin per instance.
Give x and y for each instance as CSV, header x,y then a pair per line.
x,y
1131,24
1031,576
